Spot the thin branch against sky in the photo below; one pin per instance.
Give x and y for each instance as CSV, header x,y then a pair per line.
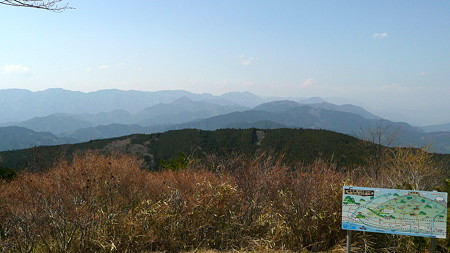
x,y
51,5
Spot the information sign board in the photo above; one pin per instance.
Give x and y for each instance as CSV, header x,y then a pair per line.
x,y
405,212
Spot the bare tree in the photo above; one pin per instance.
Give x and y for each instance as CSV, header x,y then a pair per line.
x,y
381,137
51,5
413,168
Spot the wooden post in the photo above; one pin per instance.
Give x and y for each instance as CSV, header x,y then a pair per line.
x,y
349,241
433,245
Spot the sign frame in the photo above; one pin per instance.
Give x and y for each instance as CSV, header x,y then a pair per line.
x,y
395,211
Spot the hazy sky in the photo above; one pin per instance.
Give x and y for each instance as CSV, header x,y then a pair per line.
x,y
391,55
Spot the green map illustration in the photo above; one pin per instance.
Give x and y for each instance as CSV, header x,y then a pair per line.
x,y
416,213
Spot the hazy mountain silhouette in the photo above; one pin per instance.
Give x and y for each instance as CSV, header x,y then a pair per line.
x,y
244,98
20,138
111,113
104,131
179,111
182,110
310,117
55,123
279,106
437,128
20,105
295,117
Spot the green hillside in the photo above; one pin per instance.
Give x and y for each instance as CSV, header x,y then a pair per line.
x,y
297,145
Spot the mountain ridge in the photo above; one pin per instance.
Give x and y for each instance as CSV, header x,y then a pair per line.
x,y
181,109
21,104
157,147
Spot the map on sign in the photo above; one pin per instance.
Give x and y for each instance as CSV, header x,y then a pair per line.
x,y
417,213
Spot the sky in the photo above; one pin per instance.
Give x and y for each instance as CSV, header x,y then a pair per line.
x,y
391,56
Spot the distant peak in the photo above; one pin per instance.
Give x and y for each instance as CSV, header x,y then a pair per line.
x,y
313,100
282,102
55,89
238,92
182,100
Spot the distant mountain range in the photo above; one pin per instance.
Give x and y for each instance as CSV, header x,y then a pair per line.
x,y
19,138
80,117
178,111
20,105
437,128
294,115
283,105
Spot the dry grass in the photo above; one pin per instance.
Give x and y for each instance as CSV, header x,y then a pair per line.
x,y
104,203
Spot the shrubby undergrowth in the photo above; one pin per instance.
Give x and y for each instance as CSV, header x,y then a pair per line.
x,y
103,203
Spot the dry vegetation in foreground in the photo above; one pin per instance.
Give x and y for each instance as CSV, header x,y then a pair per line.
x,y
104,203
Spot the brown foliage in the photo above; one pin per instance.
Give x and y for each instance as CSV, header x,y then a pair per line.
x,y
100,203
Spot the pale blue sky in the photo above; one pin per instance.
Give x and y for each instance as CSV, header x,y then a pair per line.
x,y
387,54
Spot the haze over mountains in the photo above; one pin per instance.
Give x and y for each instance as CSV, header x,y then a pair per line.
x,y
19,104
58,116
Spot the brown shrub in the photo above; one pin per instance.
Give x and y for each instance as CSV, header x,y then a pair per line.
x,y
70,207
100,203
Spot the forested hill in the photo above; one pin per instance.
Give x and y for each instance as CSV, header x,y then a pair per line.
x,y
297,145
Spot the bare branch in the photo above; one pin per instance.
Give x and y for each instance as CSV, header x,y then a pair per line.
x,y
382,137
51,5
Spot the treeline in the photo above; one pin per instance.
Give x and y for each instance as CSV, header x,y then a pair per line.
x,y
297,145
104,203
